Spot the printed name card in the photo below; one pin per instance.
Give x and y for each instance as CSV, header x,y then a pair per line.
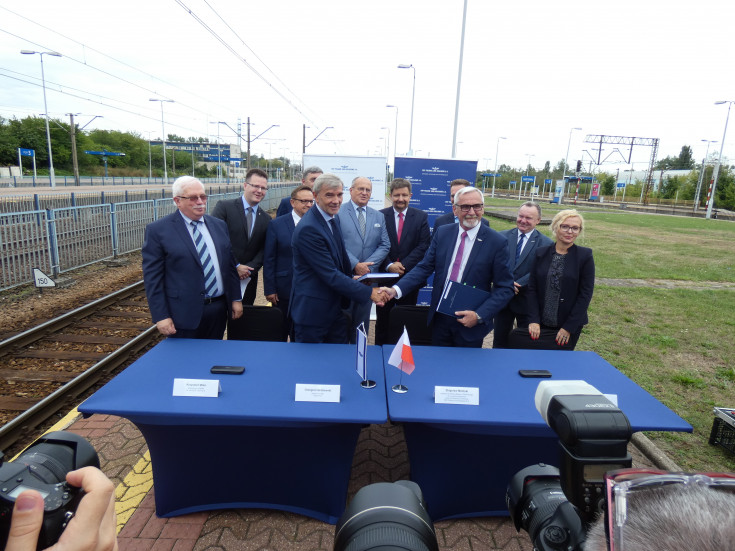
x,y
202,388
317,393
465,395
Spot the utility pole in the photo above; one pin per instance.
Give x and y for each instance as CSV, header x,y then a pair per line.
x,y
248,143
74,160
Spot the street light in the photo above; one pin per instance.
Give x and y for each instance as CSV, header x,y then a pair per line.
x,y
395,135
497,146
163,138
413,99
569,143
52,176
713,186
701,175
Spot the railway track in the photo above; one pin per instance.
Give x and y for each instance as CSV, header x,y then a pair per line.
x,y
48,367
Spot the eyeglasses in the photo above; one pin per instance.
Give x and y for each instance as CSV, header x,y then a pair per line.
x,y
257,188
193,198
622,483
466,208
573,229
305,201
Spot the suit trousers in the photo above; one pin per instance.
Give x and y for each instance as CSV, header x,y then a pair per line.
x,y
447,331
503,325
336,333
520,339
382,323
211,326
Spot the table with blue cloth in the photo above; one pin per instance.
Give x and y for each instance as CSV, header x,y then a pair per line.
x,y
463,456
254,445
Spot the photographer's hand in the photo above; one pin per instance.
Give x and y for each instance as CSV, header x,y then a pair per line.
x,y
93,527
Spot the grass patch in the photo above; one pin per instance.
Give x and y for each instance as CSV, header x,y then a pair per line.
x,y
676,345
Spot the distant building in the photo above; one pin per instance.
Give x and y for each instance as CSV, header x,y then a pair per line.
x,y
212,154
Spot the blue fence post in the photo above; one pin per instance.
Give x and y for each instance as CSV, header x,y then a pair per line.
x,y
53,244
113,229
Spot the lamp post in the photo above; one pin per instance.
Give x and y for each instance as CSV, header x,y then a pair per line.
x,y
52,175
528,173
150,164
701,175
569,143
413,99
497,146
713,185
395,135
163,137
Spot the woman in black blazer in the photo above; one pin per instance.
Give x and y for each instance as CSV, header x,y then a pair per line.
x,y
559,289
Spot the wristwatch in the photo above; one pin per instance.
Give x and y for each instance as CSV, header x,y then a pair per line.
x,y
479,319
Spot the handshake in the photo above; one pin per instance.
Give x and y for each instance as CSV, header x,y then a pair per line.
x,y
382,295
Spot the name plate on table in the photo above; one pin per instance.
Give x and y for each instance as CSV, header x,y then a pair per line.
x,y
464,395
201,388
317,393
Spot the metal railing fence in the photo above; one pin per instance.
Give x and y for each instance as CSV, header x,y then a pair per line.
x,y
57,240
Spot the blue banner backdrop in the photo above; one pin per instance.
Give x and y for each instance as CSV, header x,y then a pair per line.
x,y
430,180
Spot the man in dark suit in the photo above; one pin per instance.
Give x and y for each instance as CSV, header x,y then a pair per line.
x,y
523,240
468,253
366,241
310,174
247,225
407,247
184,300
450,217
322,276
278,256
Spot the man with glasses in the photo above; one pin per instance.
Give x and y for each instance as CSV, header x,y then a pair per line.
x,y
450,217
247,224
310,175
469,253
278,257
188,268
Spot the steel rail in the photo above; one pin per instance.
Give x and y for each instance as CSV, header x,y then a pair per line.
x,y
40,331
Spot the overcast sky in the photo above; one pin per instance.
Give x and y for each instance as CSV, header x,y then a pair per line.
x,y
532,70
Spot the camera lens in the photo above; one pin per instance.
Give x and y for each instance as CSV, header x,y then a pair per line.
x,y
57,453
386,516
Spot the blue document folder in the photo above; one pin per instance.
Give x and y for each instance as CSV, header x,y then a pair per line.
x,y
458,296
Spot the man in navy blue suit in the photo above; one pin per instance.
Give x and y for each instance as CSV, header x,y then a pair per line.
x,y
173,268
322,285
310,175
450,217
409,234
366,242
521,251
278,256
469,253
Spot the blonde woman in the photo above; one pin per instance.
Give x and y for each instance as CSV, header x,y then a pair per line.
x,y
559,289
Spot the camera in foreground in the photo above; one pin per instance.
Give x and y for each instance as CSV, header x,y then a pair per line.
x,y
556,506
385,516
43,467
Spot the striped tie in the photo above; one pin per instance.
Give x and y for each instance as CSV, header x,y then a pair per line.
x,y
210,279
361,220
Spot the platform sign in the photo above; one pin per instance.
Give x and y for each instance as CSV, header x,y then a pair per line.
x,y
26,152
42,280
621,184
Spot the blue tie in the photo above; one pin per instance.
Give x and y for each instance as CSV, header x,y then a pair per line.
x,y
210,279
520,247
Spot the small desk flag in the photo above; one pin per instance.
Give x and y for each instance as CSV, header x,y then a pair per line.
x,y
402,357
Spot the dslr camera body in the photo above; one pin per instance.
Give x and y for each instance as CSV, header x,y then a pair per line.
x,y
555,506
43,467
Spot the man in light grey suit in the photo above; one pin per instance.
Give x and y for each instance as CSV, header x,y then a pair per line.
x,y
366,240
521,254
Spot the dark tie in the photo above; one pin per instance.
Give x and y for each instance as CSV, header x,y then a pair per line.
x,y
210,279
249,218
519,247
361,219
337,236
458,258
400,226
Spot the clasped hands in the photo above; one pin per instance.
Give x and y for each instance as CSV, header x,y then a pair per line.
x,y
381,295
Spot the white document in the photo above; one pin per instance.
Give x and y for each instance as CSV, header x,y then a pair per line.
x,y
465,395
202,388
317,393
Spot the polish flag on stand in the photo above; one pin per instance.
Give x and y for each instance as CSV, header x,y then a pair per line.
x,y
402,357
